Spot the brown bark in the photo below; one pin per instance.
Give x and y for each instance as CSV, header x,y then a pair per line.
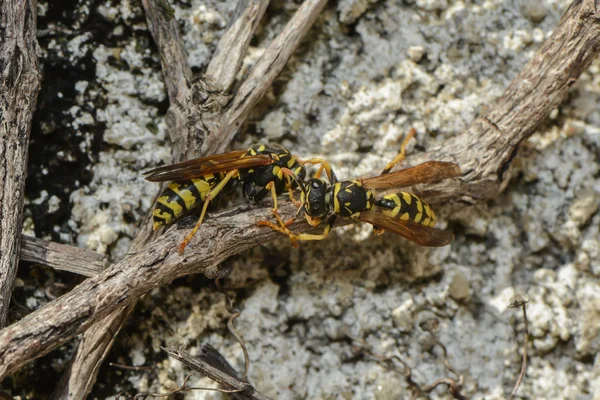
x,y
484,152
61,256
20,81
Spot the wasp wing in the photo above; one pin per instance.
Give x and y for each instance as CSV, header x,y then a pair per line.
x,y
415,232
427,172
207,165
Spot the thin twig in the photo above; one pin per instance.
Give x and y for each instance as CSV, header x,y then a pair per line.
x,y
224,379
266,69
234,315
229,54
61,256
575,42
518,301
129,367
20,81
183,388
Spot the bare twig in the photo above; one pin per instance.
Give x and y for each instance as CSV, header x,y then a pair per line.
x,y
129,367
229,54
165,30
20,81
217,375
61,256
194,114
264,72
515,302
234,315
568,51
183,388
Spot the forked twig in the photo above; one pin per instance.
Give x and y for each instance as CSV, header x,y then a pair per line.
x,y
216,374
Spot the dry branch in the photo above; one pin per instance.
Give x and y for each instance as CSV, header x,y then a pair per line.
x,y
229,54
484,153
20,81
485,150
79,378
61,256
264,72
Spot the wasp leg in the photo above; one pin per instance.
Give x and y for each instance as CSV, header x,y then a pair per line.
x,y
271,186
281,228
402,155
310,236
297,203
324,165
211,195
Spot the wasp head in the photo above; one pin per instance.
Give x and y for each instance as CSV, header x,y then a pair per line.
x,y
314,198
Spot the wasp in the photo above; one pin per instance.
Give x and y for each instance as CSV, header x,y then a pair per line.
x,y
262,169
402,213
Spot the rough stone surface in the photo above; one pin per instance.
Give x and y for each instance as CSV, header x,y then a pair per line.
x,y
312,316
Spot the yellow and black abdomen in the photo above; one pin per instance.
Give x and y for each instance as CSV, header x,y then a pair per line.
x,y
407,206
182,196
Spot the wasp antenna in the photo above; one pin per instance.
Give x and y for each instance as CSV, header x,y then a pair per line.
x,y
299,182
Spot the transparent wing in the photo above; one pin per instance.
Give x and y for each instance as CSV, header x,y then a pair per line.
x,y
427,172
207,165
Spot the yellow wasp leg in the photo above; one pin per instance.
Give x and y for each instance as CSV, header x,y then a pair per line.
x,y
324,165
283,226
310,236
297,203
402,155
302,236
211,195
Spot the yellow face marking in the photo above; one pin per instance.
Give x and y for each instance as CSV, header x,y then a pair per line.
x,y
262,147
407,198
252,152
185,194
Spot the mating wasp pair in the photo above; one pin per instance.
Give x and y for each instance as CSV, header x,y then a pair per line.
x,y
265,169
196,182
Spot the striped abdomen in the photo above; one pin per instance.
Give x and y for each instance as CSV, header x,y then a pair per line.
x,y
407,206
181,197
